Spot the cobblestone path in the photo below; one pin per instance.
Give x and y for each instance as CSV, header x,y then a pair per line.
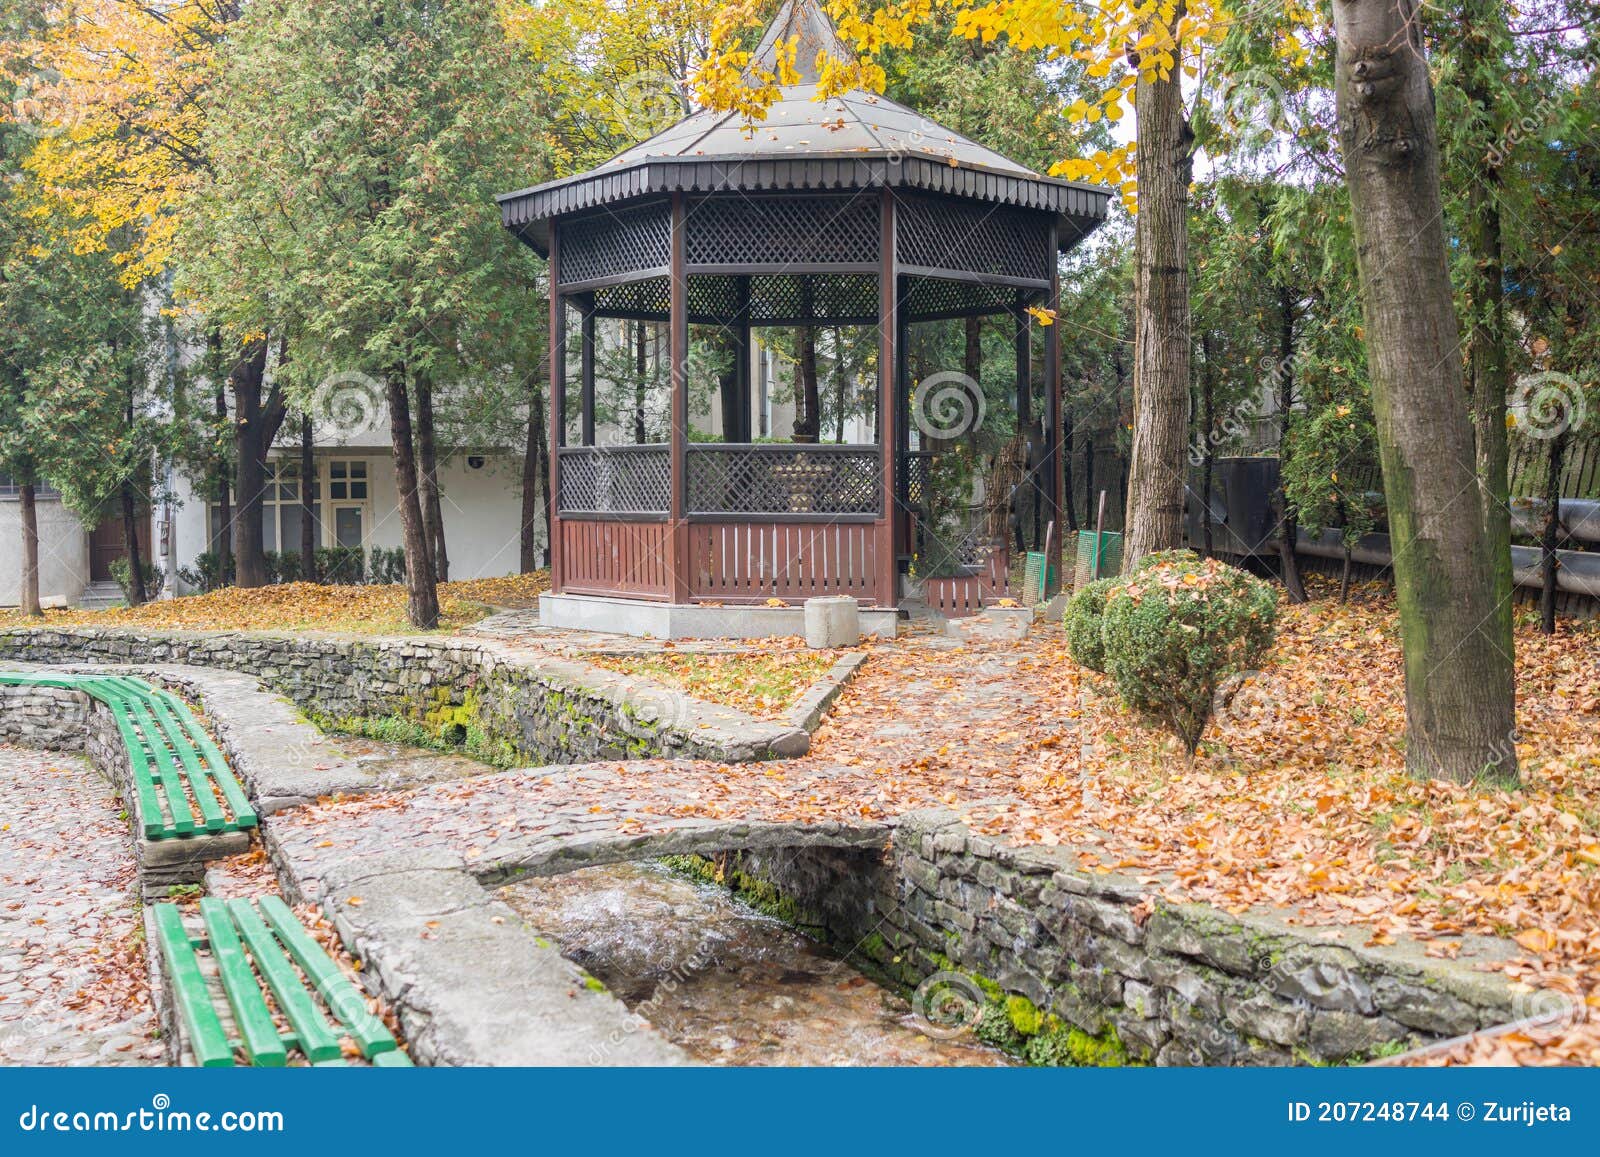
x,y
73,986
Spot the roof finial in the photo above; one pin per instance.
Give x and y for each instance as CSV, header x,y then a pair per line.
x,y
806,20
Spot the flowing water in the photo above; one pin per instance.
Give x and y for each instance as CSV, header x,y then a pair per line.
x,y
726,983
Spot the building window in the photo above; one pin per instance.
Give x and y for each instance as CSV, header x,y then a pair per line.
x,y
12,489
342,521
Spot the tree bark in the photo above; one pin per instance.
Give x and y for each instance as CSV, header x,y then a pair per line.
x,y
639,368
1154,518
308,479
840,400
428,480
258,412
1484,32
1288,524
422,593
30,550
1550,536
1208,451
137,593
1460,690
972,366
808,417
222,542
534,475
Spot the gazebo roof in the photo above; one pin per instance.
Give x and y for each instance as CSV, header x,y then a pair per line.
x,y
856,140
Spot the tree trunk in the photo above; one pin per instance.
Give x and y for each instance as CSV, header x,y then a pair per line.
x,y
728,386
1208,448
308,478
222,542
1460,690
639,393
1482,66
422,593
534,482
428,480
808,417
839,394
972,367
28,509
1068,488
1288,525
137,593
1154,519
1550,537
257,415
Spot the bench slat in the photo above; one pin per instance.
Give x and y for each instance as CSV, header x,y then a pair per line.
x,y
345,999
183,749
250,1013
206,1035
244,815
164,770
318,1040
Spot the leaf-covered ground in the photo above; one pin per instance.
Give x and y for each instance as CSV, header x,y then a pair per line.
x,y
378,610
1298,800
763,683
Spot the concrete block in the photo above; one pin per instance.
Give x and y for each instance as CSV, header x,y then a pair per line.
x,y
998,623
832,621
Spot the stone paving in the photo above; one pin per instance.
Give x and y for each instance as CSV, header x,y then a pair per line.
x,y
72,981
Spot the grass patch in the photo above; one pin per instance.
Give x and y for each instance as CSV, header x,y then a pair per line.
x,y
762,683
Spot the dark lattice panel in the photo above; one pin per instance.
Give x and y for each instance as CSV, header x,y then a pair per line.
x,y
651,298
947,233
914,478
783,479
782,230
619,241
820,299
615,480
928,297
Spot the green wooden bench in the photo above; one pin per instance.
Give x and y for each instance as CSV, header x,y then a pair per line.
x,y
255,948
181,783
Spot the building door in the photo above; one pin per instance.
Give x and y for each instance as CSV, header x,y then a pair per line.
x,y
105,544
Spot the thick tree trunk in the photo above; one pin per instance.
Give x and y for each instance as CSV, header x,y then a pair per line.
x,y
1482,66
222,541
129,501
640,365
1154,519
1288,524
534,484
257,415
422,593
840,398
972,366
728,386
428,480
1550,535
1208,448
1460,690
808,416
308,478
28,509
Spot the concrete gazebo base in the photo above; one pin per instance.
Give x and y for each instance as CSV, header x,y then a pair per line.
x,y
692,620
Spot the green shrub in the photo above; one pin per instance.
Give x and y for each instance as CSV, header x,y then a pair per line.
x,y
1083,620
208,572
387,566
1176,629
341,565
123,574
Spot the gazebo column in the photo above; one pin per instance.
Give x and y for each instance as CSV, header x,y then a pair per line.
x,y
1054,490
586,365
558,407
1022,340
678,350
889,355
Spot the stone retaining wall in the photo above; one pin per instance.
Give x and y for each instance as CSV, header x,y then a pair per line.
x,y
58,719
501,705
1065,966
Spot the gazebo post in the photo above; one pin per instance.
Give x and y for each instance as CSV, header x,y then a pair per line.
x,y
741,376
678,350
558,406
1023,343
586,365
1052,406
889,355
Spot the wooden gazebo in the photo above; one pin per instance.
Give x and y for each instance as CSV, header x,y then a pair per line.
x,y
854,211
